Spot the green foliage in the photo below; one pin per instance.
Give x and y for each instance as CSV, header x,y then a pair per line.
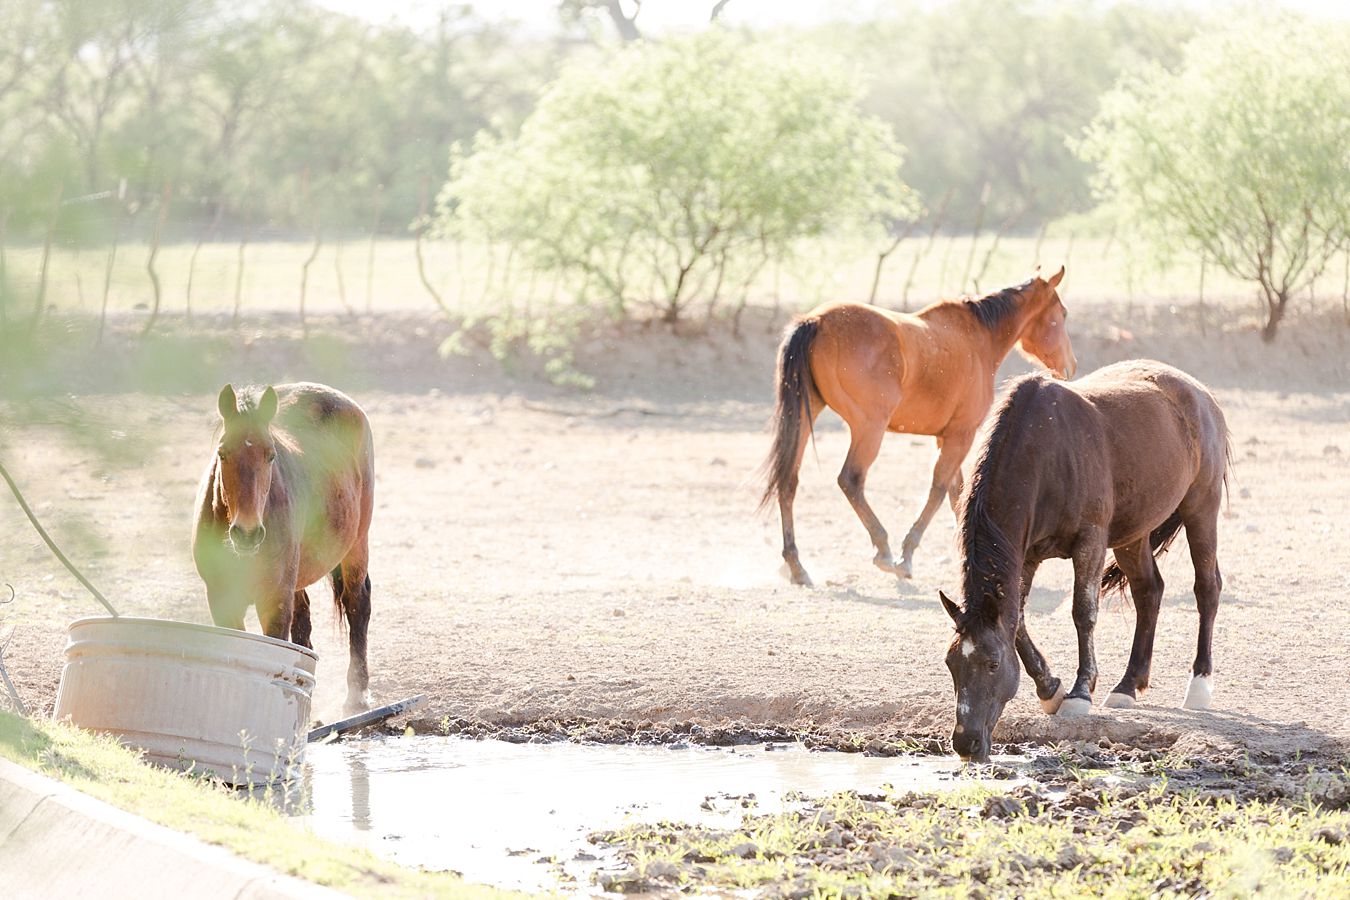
x,y
1242,153
672,172
982,92
277,113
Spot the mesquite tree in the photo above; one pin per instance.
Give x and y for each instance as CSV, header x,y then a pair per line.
x,y
1242,154
682,165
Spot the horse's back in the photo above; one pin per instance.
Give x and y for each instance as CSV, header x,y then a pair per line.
x,y
908,372
1166,433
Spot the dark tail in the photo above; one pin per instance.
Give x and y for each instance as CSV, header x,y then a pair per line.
x,y
337,599
794,389
1113,579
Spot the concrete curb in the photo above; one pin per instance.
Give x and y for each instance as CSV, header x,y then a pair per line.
x,y
58,842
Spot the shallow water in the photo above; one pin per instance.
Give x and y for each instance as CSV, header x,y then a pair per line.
x,y
517,815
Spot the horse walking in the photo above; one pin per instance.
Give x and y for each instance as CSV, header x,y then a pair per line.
x,y
1121,459
286,500
929,373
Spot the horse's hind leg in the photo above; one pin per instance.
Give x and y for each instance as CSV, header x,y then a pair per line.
x,y
1202,526
1146,587
300,621
952,449
351,588
865,444
787,495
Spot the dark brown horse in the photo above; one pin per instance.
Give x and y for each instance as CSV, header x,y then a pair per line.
x,y
286,500
1120,459
928,373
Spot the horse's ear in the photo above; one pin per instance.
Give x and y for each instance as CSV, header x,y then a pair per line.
x,y
267,404
952,609
1056,278
227,403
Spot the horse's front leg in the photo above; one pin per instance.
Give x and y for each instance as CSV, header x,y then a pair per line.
x,y
1088,556
276,604
952,449
1049,689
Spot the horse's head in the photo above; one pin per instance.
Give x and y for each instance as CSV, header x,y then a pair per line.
x,y
984,668
1046,336
246,454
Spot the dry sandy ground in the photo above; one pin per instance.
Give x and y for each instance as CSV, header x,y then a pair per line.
x,y
545,554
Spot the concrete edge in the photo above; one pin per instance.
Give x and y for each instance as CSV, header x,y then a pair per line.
x,y
58,842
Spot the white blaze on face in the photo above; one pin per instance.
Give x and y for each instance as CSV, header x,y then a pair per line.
x,y
967,647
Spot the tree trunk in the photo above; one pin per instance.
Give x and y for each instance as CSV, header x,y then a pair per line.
x,y
1275,304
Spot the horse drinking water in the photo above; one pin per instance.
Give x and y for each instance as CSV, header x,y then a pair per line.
x,y
286,500
928,373
1121,459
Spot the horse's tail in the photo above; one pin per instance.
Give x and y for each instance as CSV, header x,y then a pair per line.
x,y
1113,579
794,389
337,599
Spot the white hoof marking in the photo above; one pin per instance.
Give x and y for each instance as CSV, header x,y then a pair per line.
x,y
1118,701
1051,705
1199,693
1074,708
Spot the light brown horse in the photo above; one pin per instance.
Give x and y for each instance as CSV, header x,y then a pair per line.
x,y
928,373
286,500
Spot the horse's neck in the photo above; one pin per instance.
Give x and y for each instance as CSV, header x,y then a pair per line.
x,y
1006,333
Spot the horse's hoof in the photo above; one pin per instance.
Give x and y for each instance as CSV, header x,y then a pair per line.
x,y
1052,704
1117,700
356,705
885,563
904,570
795,576
1074,708
1199,693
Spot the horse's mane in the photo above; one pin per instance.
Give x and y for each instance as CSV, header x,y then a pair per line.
x,y
991,309
986,552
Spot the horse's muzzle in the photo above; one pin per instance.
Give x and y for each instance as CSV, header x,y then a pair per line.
x,y
971,747
247,541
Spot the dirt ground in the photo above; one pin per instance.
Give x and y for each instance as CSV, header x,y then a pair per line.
x,y
540,553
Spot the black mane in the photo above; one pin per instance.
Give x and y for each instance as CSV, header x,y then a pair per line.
x,y
988,563
992,309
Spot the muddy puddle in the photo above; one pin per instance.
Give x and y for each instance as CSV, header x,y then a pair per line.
x,y
517,815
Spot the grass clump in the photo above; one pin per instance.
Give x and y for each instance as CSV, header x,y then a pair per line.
x,y
1091,837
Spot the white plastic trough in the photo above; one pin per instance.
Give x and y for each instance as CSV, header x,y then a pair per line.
x,y
221,702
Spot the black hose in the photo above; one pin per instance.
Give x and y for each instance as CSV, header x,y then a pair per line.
x,y
51,545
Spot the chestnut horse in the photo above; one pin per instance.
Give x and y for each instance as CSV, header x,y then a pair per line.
x,y
286,500
1120,459
928,373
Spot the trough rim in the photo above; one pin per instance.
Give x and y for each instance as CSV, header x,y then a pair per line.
x,y
190,626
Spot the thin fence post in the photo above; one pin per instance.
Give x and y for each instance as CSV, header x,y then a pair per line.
x,y
4,269
423,223
1201,301
975,233
313,253
370,251
108,270
41,297
164,199
192,260
239,268
881,258
938,216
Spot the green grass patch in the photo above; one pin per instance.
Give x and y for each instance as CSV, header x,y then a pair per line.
x,y
103,768
1090,838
